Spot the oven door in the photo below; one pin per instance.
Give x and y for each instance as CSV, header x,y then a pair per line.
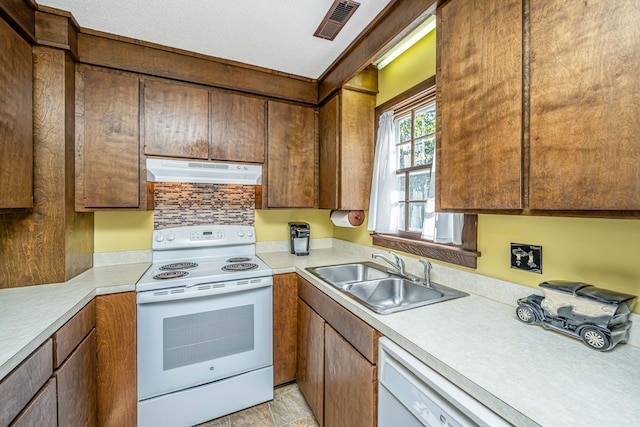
x,y
192,336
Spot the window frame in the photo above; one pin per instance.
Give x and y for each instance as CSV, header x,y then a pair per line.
x,y
465,254
408,109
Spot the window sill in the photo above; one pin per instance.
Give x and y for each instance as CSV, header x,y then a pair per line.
x,y
441,252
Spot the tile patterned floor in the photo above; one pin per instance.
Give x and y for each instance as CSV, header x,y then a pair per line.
x,y
287,409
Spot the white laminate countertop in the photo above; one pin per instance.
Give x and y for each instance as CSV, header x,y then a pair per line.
x,y
525,373
528,375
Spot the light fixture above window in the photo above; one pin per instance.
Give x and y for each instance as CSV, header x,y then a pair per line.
x,y
409,40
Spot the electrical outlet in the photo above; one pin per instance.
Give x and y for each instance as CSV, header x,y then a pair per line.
x,y
526,257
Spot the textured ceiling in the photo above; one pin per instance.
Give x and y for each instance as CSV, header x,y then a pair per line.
x,y
275,34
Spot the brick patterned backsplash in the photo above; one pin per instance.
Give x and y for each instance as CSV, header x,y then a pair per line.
x,y
178,204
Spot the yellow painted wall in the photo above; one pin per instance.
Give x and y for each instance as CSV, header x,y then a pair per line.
x,y
412,67
272,224
122,231
127,231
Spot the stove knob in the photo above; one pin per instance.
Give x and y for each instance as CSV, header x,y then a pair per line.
x,y
250,233
159,237
171,237
240,233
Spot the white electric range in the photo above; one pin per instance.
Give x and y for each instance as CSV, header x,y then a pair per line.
x,y
204,326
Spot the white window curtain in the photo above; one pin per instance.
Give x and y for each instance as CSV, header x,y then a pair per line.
x,y
384,212
383,205
440,227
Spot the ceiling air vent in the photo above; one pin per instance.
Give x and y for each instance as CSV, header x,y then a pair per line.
x,y
336,17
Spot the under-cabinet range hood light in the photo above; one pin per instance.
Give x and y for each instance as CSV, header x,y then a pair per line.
x,y
163,170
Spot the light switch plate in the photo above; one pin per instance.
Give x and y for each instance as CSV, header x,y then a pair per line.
x,y
526,257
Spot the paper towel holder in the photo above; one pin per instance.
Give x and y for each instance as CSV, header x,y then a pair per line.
x,y
356,218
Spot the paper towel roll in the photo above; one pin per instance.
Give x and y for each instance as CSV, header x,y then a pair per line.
x,y
349,219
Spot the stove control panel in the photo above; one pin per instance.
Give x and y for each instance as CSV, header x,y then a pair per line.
x,y
202,236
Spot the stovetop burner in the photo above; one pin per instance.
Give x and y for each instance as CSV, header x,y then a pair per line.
x,y
239,259
242,266
170,275
179,266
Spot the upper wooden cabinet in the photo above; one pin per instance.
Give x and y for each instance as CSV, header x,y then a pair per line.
x,y
585,148
479,104
549,128
108,158
237,127
346,144
194,122
16,120
291,160
176,120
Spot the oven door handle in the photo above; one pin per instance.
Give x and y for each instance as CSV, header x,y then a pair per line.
x,y
199,291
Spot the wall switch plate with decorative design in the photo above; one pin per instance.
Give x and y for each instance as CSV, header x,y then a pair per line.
x,y
526,257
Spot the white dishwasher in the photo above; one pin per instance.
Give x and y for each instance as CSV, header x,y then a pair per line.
x,y
412,394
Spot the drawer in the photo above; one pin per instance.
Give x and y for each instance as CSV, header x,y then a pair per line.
x,y
42,410
357,332
19,387
67,338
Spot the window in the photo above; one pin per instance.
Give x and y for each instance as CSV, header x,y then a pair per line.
x,y
415,138
414,123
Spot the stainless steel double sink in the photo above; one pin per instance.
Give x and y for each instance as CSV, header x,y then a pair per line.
x,y
380,290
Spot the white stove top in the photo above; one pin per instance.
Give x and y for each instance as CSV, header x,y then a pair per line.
x,y
221,253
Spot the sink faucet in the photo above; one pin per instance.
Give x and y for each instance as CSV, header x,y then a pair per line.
x,y
427,272
398,264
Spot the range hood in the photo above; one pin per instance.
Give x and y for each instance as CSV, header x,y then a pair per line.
x,y
164,170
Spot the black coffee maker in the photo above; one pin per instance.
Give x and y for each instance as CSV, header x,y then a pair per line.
x,y
299,238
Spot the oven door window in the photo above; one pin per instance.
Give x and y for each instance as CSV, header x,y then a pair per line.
x,y
198,337
189,342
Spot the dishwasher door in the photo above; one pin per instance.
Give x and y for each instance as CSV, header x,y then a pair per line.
x,y
411,394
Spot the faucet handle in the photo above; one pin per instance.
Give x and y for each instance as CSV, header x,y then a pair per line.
x,y
399,262
427,270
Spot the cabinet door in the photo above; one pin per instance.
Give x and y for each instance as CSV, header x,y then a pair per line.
x,y
237,127
479,105
350,389
16,120
42,411
328,149
310,370
116,347
291,164
176,120
76,384
285,315
108,155
584,105
22,384
357,112
346,150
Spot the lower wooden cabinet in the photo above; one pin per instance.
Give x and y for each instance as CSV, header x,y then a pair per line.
x,y
337,356
84,375
76,385
42,411
116,350
285,302
20,386
350,386
310,370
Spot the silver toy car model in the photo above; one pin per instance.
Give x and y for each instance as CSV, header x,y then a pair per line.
x,y
599,317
